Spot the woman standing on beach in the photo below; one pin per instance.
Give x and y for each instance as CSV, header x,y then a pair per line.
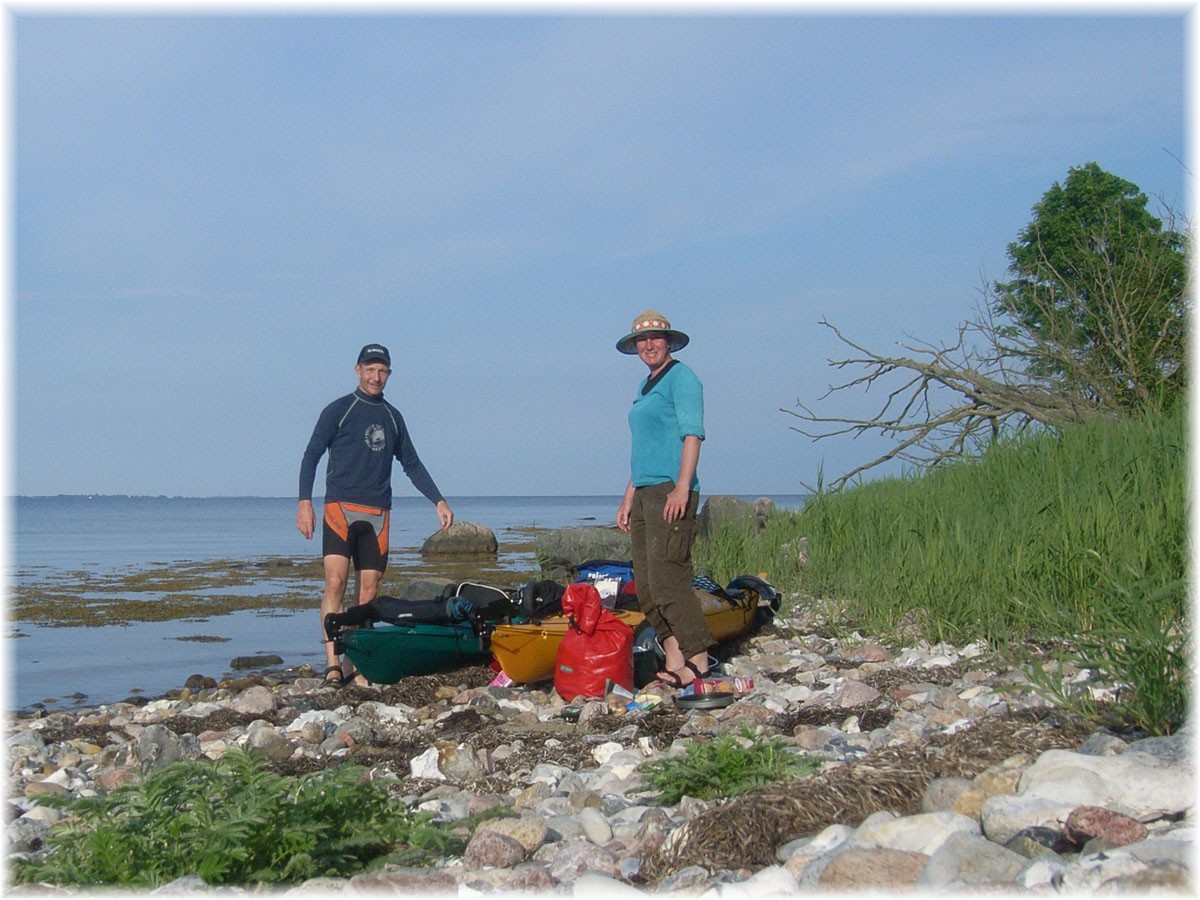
x,y
661,499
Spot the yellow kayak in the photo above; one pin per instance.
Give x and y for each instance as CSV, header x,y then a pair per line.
x,y
527,652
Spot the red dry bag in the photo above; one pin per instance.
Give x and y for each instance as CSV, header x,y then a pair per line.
x,y
597,648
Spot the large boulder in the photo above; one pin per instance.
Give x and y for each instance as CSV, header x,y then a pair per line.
x,y
719,509
763,507
461,539
560,549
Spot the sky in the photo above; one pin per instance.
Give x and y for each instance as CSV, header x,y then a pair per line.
x,y
213,210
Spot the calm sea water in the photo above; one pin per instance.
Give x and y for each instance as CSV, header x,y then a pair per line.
x,y
81,537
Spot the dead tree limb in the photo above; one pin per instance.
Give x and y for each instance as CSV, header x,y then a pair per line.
x,y
994,396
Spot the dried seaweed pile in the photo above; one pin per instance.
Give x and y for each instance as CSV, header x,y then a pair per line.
x,y
745,832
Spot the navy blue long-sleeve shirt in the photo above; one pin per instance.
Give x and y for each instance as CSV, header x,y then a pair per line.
x,y
362,435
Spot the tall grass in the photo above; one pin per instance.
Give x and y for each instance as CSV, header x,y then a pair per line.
x,y
1079,536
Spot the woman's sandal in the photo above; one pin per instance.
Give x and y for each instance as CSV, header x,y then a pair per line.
x,y
337,682
672,679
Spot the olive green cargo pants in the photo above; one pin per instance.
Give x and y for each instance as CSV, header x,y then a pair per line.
x,y
662,568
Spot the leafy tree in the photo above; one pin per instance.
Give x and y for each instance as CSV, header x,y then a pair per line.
x,y
1099,298
1092,324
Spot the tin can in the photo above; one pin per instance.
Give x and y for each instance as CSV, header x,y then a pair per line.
x,y
743,684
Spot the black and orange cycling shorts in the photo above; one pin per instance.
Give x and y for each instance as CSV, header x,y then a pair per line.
x,y
357,532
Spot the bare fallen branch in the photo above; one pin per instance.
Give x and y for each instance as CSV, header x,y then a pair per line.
x,y
996,397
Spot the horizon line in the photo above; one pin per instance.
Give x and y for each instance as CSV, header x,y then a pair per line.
x,y
97,495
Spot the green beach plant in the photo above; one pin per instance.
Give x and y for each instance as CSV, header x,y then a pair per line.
x,y
1076,539
1140,642
777,550
232,821
725,766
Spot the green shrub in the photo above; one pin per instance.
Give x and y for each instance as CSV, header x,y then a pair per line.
x,y
724,767
233,822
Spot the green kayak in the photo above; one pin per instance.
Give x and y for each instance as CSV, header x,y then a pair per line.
x,y
385,653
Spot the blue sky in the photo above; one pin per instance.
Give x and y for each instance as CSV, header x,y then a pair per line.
x,y
212,213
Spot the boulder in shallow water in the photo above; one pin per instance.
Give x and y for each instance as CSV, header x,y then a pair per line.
x,y
200,682
461,539
256,662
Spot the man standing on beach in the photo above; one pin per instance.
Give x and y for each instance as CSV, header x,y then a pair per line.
x,y
363,433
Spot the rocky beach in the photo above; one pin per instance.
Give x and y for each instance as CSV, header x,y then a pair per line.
x,y
941,771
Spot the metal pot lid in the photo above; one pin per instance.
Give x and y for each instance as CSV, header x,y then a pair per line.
x,y
716,700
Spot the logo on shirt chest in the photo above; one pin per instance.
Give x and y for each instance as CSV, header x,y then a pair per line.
x,y
375,437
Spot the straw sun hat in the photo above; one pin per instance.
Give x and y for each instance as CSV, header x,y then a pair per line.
x,y
652,321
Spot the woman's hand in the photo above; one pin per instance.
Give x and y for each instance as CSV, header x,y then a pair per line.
x,y
676,506
625,510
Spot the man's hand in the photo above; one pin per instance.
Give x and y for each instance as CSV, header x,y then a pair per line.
x,y
445,514
306,519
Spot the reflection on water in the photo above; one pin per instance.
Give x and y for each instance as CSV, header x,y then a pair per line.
x,y
65,667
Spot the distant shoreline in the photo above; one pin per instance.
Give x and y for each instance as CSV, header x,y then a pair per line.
x,y
449,498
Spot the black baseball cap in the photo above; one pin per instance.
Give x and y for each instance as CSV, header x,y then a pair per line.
x,y
374,352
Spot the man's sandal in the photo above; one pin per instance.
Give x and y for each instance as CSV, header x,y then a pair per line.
x,y
338,680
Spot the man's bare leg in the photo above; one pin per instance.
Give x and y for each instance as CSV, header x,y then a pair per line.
x,y
366,589
337,573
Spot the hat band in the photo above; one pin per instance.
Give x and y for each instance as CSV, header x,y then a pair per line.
x,y
651,324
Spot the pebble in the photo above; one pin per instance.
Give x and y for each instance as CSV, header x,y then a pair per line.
x,y
1110,816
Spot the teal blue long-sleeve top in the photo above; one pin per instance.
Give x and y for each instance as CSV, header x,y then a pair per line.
x,y
667,408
